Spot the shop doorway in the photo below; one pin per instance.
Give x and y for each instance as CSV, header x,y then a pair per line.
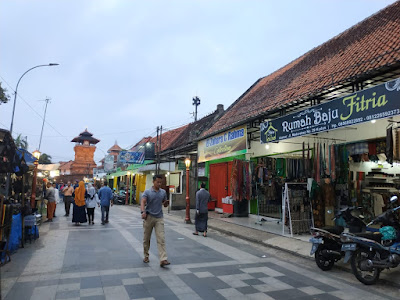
x,y
220,187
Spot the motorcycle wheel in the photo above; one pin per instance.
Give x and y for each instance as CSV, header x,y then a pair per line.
x,y
322,262
363,273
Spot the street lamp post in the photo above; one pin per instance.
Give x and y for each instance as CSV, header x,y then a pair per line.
x,y
36,154
16,90
187,218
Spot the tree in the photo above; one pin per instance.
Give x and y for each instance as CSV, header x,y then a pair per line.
x,y
45,159
4,98
21,142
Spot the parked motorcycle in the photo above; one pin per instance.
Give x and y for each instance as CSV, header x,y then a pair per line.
x,y
326,244
370,255
119,198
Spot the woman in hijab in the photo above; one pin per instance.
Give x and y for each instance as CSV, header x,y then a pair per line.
x,y
91,201
79,211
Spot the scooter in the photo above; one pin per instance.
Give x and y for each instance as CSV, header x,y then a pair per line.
x,y
326,244
370,255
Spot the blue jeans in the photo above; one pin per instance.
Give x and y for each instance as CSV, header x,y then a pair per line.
x,y
104,210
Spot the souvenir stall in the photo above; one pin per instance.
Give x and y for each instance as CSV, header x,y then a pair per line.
x,y
347,156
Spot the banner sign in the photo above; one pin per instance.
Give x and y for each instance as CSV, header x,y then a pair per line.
x,y
229,143
381,101
131,157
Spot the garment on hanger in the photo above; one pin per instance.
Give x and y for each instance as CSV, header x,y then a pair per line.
x,y
378,204
389,145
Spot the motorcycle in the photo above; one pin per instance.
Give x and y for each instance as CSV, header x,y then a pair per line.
x,y
326,243
119,198
370,255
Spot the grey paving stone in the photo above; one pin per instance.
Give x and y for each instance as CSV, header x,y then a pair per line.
x,y
67,294
102,297
319,297
91,282
288,294
20,290
69,280
137,291
48,282
247,290
257,275
253,281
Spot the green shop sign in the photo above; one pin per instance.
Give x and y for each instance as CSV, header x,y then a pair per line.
x,y
381,101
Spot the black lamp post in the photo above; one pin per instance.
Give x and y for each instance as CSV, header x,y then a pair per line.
x,y
187,218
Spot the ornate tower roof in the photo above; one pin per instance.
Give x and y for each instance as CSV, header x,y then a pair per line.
x,y
85,136
115,148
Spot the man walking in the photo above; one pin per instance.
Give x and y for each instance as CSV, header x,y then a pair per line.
x,y
105,196
152,215
51,202
68,191
202,199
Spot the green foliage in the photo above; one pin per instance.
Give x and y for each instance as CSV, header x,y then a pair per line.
x,y
21,142
45,159
4,98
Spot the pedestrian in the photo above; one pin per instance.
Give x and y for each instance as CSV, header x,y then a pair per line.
x,y
106,199
201,218
91,201
68,191
51,201
79,211
57,196
152,215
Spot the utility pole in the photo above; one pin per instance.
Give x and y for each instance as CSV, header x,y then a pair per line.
x,y
44,119
196,102
158,152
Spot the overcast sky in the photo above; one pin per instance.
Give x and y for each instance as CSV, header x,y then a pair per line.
x,y
128,66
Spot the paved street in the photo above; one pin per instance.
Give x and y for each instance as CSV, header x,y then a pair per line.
x,y
105,262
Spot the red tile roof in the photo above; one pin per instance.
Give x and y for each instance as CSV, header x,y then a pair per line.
x,y
114,148
364,48
141,142
168,137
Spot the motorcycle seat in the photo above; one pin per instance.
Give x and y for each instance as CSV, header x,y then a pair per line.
x,y
334,229
370,235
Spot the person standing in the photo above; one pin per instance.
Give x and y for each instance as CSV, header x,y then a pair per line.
x,y
106,199
91,200
57,196
79,211
68,191
202,199
51,202
152,215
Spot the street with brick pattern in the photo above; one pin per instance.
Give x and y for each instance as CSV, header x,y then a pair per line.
x,y
105,262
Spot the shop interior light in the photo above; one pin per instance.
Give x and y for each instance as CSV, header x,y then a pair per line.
x,y
40,174
152,174
373,121
267,146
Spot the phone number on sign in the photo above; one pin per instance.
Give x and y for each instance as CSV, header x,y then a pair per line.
x,y
383,114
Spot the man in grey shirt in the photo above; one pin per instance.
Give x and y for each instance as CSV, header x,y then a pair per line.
x,y
152,215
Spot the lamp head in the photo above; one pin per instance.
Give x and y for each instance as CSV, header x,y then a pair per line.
x,y
129,173
53,64
36,154
187,163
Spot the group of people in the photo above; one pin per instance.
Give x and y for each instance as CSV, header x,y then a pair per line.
x,y
84,201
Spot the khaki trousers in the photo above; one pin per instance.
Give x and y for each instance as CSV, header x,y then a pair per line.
x,y
158,225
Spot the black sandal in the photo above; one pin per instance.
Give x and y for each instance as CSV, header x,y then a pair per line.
x,y
194,233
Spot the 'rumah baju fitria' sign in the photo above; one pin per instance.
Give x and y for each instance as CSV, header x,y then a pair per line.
x,y
228,143
381,101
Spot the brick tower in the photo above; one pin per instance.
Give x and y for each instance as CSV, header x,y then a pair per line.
x,y
84,149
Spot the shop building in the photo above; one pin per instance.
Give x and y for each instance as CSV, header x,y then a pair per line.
x,y
312,119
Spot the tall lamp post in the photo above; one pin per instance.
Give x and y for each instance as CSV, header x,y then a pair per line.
x,y
36,154
16,90
187,218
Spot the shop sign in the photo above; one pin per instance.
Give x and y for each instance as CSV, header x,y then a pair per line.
x,y
131,157
381,101
229,143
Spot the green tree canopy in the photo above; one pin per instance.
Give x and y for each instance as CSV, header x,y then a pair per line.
x,y
45,159
4,98
21,142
